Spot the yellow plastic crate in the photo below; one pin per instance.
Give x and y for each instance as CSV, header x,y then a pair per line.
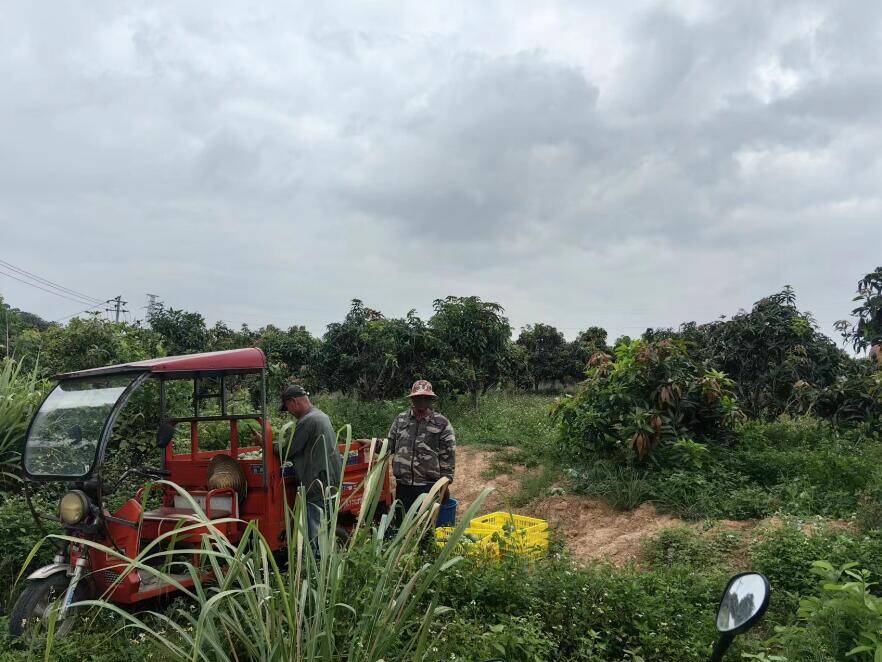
x,y
474,539
515,534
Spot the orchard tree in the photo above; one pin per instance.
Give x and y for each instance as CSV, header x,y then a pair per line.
x,y
518,369
773,352
221,337
474,339
89,342
12,323
546,350
866,333
182,332
295,347
371,355
579,352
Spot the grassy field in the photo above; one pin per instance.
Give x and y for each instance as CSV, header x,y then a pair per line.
x,y
803,471
504,419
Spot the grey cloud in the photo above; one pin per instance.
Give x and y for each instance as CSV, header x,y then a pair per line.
x,y
492,123
229,158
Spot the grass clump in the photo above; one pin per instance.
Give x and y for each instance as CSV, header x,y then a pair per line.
x,y
684,546
504,419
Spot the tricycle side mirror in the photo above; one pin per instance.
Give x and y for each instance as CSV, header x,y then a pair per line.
x,y
743,604
164,434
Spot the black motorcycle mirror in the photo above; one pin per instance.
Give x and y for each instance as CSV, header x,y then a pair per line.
x,y
743,604
164,434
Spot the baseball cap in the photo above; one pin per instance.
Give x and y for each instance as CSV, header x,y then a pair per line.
x,y
292,391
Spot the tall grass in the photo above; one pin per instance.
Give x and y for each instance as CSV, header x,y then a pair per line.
x,y
19,394
365,599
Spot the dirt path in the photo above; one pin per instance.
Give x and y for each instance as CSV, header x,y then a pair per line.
x,y
469,481
592,529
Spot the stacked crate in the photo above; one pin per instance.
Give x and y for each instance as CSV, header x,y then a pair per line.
x,y
501,534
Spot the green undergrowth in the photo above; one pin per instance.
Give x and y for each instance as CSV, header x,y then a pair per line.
x,y
801,467
516,426
555,609
661,607
503,419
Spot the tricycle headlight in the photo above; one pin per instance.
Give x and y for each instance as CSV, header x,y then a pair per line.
x,y
73,507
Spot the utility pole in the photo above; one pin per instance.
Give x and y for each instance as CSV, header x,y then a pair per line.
x,y
118,307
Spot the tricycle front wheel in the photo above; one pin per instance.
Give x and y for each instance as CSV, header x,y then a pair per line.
x,y
31,611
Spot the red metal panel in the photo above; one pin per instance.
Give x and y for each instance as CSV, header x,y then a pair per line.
x,y
250,358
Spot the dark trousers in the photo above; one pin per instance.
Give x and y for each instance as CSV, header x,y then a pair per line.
x,y
314,512
406,495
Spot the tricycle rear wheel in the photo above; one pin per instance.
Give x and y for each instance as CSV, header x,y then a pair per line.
x,y
31,611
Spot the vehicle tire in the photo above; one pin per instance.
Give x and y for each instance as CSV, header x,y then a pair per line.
x,y
32,606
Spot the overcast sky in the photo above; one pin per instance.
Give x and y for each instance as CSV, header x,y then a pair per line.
x,y
580,163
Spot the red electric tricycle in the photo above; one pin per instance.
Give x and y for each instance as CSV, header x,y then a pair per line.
x,y
68,442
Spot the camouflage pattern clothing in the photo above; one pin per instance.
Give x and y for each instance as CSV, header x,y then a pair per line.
x,y
424,448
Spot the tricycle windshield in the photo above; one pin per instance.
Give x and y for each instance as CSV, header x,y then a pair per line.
x,y
64,437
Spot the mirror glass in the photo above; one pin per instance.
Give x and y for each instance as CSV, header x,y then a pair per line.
x,y
743,600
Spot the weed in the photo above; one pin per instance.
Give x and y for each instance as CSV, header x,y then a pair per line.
x,y
682,545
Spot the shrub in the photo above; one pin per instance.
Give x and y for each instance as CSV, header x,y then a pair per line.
x,y
869,512
596,613
801,466
842,620
101,642
784,553
651,395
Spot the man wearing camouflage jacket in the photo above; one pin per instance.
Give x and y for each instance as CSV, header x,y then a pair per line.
x,y
424,446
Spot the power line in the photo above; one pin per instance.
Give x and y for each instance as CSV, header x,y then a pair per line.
x,y
49,283
58,294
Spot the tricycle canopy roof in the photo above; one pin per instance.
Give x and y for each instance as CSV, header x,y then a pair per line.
x,y
231,361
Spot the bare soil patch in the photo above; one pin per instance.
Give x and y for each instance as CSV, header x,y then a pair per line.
x,y
591,528
471,465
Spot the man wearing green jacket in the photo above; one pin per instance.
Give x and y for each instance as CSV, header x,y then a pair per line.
x,y
314,454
